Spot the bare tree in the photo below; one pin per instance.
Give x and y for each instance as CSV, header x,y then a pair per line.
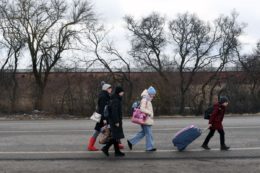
x,y
124,70
229,31
148,41
106,54
251,65
13,42
95,45
194,41
49,28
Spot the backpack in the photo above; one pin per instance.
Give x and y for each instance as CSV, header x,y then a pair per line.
x,y
208,112
136,104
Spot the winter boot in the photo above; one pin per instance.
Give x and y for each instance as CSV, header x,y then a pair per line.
x,y
224,148
105,150
130,145
206,147
91,144
121,146
118,153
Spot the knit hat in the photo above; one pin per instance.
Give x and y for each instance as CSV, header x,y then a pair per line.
x,y
151,90
223,99
105,85
118,90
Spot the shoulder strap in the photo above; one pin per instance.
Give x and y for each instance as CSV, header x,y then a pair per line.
x,y
146,100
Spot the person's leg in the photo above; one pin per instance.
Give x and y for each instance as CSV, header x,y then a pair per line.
x,y
105,149
222,140
222,137
210,135
120,145
92,141
93,138
118,153
149,138
136,138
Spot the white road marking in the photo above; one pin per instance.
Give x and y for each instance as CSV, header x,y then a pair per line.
x,y
135,130
42,131
134,151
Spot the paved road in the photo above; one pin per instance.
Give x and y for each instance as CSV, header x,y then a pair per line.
x,y
60,146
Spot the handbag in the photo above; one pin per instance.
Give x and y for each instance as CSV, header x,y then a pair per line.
x,y
96,117
138,117
149,121
105,135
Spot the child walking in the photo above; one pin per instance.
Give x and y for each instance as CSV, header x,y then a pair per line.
x,y
215,123
146,130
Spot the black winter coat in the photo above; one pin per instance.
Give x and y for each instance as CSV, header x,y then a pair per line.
x,y
103,100
115,117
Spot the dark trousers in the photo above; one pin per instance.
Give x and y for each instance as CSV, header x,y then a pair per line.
x,y
211,134
114,142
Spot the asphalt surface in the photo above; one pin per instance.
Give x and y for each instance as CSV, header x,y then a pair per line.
x,y
60,146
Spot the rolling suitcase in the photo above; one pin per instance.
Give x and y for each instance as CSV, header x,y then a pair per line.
x,y
186,136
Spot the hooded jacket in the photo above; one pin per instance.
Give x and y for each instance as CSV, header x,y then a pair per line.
x,y
146,104
217,116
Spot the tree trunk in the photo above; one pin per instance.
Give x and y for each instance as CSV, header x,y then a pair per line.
x,y
129,97
14,94
211,95
182,105
15,86
200,106
39,97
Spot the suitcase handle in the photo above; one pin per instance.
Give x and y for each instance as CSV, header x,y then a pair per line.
x,y
204,130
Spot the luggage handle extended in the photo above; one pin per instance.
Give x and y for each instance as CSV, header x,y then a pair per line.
x,y
204,130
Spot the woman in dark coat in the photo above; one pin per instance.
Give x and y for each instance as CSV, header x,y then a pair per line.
x,y
115,122
103,100
215,123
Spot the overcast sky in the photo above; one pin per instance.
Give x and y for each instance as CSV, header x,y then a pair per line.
x,y
112,12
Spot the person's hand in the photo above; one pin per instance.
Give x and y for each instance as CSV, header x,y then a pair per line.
x,y
210,125
117,124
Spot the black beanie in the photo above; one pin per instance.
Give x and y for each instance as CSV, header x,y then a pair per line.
x,y
223,99
118,90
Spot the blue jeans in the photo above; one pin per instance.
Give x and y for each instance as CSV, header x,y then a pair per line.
x,y
147,132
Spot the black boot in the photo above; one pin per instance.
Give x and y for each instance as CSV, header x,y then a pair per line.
x,y
224,148
118,153
130,145
153,149
106,148
206,147
222,141
105,151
